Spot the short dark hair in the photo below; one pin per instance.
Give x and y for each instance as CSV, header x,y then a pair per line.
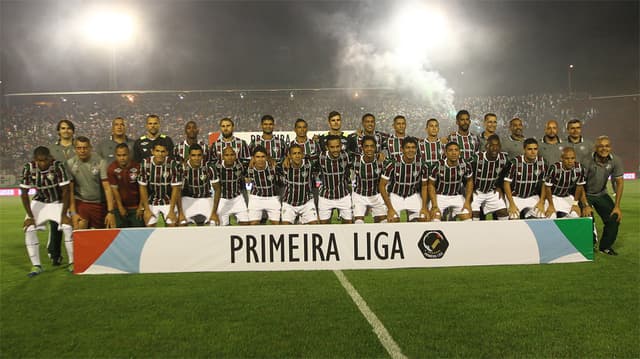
x,y
41,151
159,143
449,144
493,137
409,139
334,113
331,138
571,122
69,123
432,120
299,120
226,119
121,145
529,141
369,138
83,139
490,114
462,112
259,149
368,115
153,116
514,119
265,118
398,117
295,145
188,122
195,147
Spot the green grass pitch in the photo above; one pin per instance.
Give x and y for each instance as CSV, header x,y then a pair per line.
x,y
582,310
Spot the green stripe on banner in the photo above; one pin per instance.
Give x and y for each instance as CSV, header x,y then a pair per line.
x,y
575,230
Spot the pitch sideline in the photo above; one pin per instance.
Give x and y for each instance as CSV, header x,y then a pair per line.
x,y
383,335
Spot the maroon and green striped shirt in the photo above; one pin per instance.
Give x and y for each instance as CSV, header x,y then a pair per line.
x,y
47,183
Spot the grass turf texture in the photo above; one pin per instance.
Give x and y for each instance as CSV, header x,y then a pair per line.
x,y
560,310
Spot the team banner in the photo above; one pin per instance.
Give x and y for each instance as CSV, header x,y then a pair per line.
x,y
328,247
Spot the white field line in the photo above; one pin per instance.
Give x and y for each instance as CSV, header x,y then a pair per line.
x,y
383,335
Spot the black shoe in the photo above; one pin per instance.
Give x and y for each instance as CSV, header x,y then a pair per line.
x,y
56,261
609,251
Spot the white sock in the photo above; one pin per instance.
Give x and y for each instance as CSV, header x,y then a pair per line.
x,y
505,218
476,218
67,232
359,221
33,245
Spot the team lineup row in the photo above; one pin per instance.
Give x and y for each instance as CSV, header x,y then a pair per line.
x,y
193,182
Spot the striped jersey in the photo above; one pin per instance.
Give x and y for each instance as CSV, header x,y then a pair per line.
x,y
264,181
525,177
354,141
238,144
430,152
231,179
159,179
310,149
469,144
198,182
487,172
47,183
405,179
394,147
276,147
367,176
562,180
335,175
297,183
450,180
181,151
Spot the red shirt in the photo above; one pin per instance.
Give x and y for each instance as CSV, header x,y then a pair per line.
x,y
126,179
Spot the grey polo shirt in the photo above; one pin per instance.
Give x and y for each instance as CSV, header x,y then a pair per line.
x,y
598,173
584,149
62,153
551,152
87,177
107,149
513,148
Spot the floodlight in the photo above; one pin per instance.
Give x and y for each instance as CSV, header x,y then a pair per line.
x,y
109,26
417,29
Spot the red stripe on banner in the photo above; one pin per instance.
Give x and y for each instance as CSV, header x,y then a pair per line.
x,y
89,245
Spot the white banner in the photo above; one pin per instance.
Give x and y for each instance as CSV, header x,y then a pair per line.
x,y
328,247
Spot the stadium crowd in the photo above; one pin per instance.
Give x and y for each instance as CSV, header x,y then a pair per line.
x,y
98,175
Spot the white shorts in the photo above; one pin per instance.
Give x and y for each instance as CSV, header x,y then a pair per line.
x,y
489,202
235,206
362,203
307,212
528,205
155,212
258,204
454,202
43,212
412,204
197,206
563,205
343,205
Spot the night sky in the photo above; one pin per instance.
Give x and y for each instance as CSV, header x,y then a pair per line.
x,y
502,47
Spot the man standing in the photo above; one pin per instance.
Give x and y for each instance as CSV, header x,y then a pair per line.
x,y
395,141
334,193
448,180
310,148
143,147
160,181
123,174
335,129
407,182
276,147
366,192
523,183
551,145
431,149
490,127
488,166
106,149
512,145
227,139
199,179
468,143
297,194
50,203
355,139
599,167
564,182
89,189
61,150
181,150
582,146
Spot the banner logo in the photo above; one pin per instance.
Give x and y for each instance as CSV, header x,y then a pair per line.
x,y
433,244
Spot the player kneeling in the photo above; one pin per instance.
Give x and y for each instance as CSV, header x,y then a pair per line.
x,y
561,178
198,180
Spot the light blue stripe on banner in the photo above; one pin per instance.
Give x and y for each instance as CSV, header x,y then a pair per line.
x,y
125,251
552,244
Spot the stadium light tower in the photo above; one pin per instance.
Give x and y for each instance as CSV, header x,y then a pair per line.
x,y
417,29
112,29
